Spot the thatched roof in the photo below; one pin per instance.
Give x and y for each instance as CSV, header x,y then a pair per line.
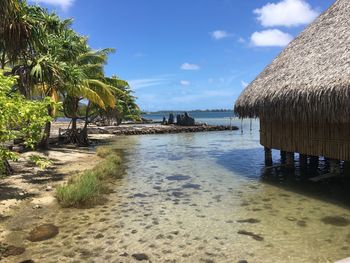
x,y
310,79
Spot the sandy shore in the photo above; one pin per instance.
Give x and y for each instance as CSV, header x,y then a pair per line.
x,y
33,187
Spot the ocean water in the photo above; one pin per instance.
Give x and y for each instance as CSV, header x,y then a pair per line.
x,y
202,197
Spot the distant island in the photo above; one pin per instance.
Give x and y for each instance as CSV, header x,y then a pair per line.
x,y
189,111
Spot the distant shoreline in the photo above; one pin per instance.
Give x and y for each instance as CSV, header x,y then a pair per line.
x,y
189,111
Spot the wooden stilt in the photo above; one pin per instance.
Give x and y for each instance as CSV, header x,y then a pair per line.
x,y
290,160
283,157
334,166
268,157
303,161
314,160
346,167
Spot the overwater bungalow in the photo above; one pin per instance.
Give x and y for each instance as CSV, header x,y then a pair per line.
x,y
302,98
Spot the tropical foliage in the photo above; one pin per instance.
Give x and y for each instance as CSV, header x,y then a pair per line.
x,y
20,118
53,63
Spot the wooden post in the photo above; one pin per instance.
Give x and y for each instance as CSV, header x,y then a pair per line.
x,y
346,167
268,156
290,160
303,161
314,160
334,166
283,157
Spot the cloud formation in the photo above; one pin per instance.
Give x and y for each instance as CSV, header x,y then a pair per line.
x,y
270,38
185,83
219,34
64,4
189,66
287,13
147,82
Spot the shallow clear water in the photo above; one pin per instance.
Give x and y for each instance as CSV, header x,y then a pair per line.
x,y
182,200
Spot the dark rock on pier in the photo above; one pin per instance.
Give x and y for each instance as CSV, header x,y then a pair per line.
x,y
171,119
185,120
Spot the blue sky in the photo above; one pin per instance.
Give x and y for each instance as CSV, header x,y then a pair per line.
x,y
189,54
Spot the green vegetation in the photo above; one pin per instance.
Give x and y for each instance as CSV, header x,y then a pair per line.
x,y
82,189
19,119
86,188
52,71
41,162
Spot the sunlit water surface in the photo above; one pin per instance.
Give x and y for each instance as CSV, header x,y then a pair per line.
x,y
182,200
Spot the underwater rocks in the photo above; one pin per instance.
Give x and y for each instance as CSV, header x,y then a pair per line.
x,y
178,177
249,220
140,256
8,250
336,220
251,234
43,232
191,186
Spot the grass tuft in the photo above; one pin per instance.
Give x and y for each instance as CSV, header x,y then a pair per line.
x,y
85,189
80,190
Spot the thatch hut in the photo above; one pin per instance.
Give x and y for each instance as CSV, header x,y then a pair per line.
x,y
303,97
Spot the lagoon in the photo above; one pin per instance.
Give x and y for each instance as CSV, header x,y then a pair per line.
x,y
201,197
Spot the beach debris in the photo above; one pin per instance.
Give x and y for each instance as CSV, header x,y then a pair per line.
x,y
43,232
36,206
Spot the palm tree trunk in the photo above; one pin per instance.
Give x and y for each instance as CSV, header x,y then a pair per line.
x,y
44,143
3,60
74,124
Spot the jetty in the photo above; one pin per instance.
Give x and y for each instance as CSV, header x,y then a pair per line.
x,y
139,129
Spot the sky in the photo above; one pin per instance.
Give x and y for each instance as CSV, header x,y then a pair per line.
x,y
188,54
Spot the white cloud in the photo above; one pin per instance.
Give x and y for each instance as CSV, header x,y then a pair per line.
x,y
244,84
147,82
241,40
219,34
188,66
270,38
286,13
139,55
185,83
64,4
